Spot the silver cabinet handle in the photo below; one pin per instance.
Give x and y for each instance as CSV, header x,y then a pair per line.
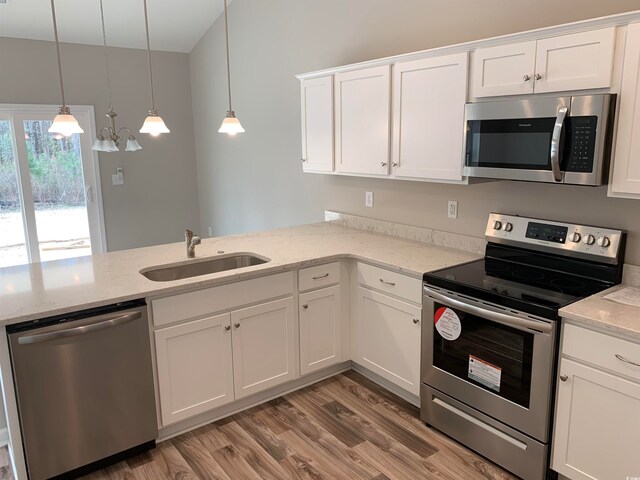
x,y
564,378
626,360
237,325
106,321
391,284
320,277
555,144
538,76
383,164
394,164
526,78
227,327
305,306
416,321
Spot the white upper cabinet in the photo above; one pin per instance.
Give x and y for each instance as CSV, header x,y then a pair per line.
x,y
625,177
428,98
504,70
362,114
578,61
317,124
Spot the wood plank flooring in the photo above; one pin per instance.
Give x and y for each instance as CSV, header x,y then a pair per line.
x,y
345,427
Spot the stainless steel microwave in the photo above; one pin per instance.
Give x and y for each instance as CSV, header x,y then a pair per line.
x,y
554,140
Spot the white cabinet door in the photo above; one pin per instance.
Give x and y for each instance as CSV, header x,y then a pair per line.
x,y
625,177
263,346
504,70
596,426
362,109
385,338
575,62
317,124
320,329
195,373
428,98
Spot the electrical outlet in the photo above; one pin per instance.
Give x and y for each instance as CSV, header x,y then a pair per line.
x,y
118,178
452,209
210,230
368,199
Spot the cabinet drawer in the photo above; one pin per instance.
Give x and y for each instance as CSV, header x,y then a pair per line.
x,y
216,299
394,283
320,276
602,350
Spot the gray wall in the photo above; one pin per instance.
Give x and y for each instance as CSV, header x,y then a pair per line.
x,y
159,197
254,180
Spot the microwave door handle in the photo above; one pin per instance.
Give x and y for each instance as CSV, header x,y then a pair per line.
x,y
555,144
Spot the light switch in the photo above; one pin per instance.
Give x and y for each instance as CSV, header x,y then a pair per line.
x,y
118,177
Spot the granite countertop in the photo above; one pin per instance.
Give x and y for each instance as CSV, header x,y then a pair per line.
x,y
605,314
34,291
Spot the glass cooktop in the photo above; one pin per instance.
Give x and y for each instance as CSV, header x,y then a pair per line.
x,y
530,289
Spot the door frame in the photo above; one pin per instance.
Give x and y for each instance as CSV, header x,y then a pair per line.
x,y
85,114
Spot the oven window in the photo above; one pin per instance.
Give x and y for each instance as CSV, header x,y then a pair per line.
x,y
492,356
512,143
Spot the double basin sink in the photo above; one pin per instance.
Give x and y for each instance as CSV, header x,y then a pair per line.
x,y
178,271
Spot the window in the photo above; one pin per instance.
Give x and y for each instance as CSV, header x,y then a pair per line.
x,y
50,202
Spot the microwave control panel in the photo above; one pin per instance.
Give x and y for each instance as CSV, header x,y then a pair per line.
x,y
583,241
581,143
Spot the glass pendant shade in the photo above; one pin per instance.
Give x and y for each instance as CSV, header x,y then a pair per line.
x,y
154,125
231,125
132,144
65,123
98,145
110,146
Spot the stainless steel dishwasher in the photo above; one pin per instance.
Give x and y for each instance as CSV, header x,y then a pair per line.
x,y
84,386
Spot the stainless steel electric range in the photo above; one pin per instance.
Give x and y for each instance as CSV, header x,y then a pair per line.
x,y
490,334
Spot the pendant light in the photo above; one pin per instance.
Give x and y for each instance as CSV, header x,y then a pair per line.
x,y
153,124
64,123
109,137
230,124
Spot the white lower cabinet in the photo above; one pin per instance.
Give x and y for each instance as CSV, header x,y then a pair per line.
x,y
263,346
194,367
597,412
385,338
320,329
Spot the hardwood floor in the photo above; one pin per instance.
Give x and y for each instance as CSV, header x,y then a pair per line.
x,y
345,427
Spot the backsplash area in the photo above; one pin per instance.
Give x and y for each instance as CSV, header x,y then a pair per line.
x,y
631,273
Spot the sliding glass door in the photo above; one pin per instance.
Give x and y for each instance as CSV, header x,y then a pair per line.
x,y
50,204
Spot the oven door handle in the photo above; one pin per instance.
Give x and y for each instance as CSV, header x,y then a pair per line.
x,y
509,320
555,144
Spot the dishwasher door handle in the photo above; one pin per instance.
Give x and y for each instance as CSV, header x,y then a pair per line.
x,y
106,321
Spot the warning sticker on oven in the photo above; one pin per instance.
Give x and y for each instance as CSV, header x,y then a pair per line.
x,y
484,373
447,323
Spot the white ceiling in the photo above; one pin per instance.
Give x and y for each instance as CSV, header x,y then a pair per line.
x,y
174,26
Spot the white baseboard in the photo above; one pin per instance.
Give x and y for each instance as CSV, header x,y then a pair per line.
x,y
4,436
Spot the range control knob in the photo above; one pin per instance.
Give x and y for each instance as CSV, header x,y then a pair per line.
x,y
508,227
604,242
497,225
589,239
575,237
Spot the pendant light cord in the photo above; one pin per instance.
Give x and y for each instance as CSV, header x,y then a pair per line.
x,y
106,54
226,31
146,24
55,34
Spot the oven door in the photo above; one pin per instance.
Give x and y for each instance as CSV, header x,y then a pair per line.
x,y
516,139
492,359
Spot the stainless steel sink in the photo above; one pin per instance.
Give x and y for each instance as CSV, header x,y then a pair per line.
x,y
166,273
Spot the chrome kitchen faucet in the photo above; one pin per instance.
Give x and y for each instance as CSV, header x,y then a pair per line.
x,y
192,241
